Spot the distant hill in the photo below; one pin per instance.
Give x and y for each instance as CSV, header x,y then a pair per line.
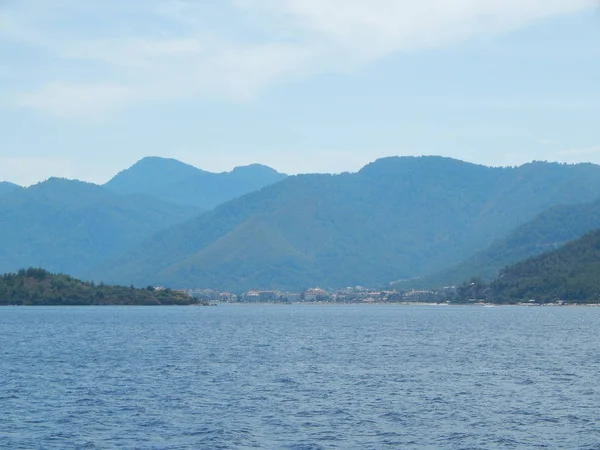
x,y
571,273
547,231
396,218
70,226
40,287
6,187
173,181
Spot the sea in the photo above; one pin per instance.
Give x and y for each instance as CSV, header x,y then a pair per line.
x,y
300,377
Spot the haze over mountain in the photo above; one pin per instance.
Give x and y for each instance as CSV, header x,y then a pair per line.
x,y
6,187
396,218
549,230
69,226
571,273
176,182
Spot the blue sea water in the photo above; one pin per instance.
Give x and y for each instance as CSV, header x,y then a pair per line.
x,y
299,377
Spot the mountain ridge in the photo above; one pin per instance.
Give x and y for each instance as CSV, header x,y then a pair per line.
x,y
176,182
70,225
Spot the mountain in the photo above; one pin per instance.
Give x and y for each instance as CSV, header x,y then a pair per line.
x,y
398,217
571,273
40,287
6,187
173,181
70,226
547,231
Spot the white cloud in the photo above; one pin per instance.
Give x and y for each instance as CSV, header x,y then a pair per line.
x,y
64,100
376,27
134,52
171,49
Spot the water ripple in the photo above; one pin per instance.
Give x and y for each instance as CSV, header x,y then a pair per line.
x,y
299,377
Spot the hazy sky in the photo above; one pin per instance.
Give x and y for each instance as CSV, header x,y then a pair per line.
x,y
89,87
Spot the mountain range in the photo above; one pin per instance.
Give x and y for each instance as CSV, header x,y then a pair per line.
x,y
399,217
71,226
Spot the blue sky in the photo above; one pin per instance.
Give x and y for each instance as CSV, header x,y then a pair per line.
x,y
89,87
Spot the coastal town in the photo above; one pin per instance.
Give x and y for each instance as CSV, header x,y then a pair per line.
x,y
359,295
356,294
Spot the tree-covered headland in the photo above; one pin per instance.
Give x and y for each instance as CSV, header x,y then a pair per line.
x,y
570,274
40,287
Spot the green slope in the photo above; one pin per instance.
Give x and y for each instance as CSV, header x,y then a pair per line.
x,y
547,231
571,273
175,182
396,218
70,226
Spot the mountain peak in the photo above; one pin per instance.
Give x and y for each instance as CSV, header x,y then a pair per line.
x,y
256,169
401,165
183,184
65,190
152,166
159,161
62,182
151,171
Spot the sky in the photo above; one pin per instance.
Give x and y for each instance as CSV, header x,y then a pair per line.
x,y
87,88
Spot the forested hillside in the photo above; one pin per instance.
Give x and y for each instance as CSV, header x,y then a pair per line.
x,y
571,273
547,231
70,226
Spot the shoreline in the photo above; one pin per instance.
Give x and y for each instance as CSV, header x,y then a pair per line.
x,y
476,305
